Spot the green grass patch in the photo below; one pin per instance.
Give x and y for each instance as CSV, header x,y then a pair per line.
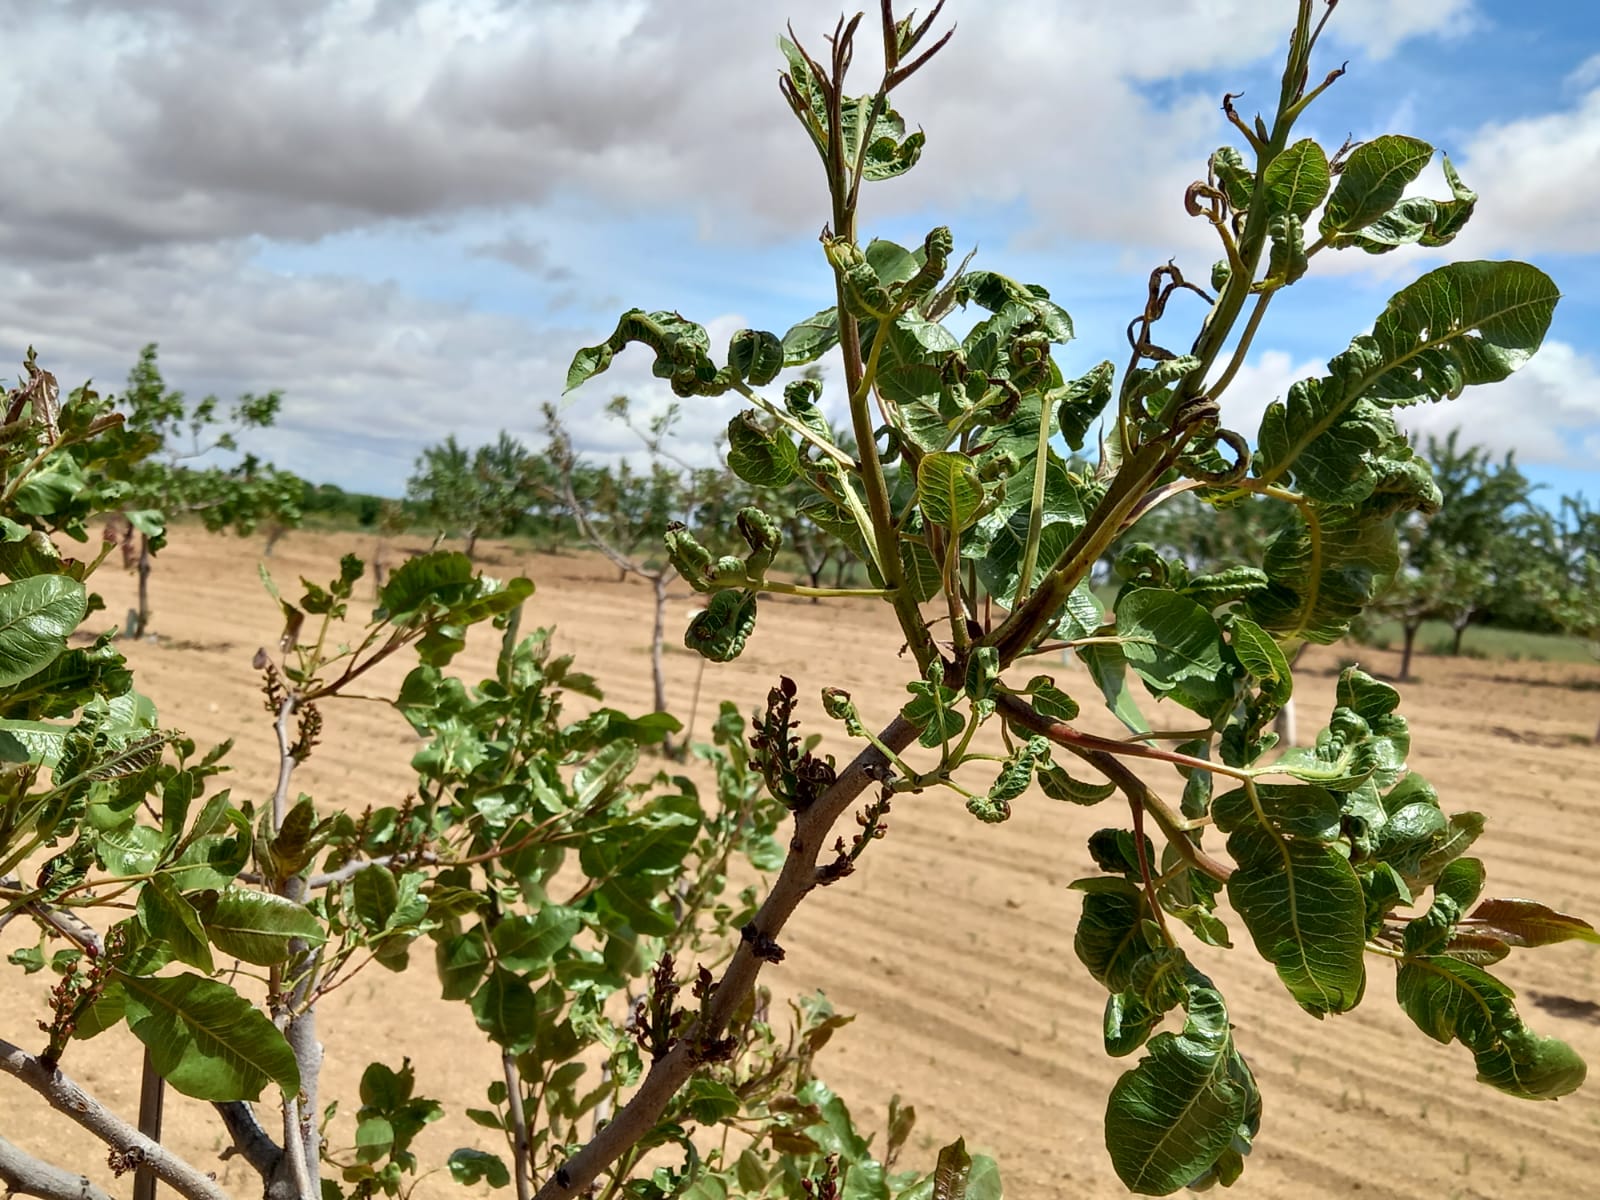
x,y
1484,641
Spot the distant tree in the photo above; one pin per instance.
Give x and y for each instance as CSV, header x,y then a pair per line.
x,y
1571,577
475,493
1469,555
166,481
618,510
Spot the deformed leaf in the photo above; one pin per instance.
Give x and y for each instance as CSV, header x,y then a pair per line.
x,y
949,490
1306,912
720,630
1374,178
1450,999
761,456
756,355
1175,1114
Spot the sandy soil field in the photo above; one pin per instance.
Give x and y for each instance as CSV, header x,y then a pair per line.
x,y
953,944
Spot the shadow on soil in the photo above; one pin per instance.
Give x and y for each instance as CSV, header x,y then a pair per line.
x,y
1567,1006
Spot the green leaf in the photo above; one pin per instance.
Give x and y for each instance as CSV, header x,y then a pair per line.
x,y
205,1039
443,577
710,1102
1309,812
1297,180
1082,401
461,961
811,338
258,927
1374,178
36,615
761,456
1176,647
931,709
949,490
598,778
504,1008
1109,669
478,1166
374,1138
1306,912
168,917
528,944
1175,1114
1450,999
1058,785
1261,656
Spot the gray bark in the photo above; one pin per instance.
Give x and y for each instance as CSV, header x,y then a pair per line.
x,y
70,1100
25,1175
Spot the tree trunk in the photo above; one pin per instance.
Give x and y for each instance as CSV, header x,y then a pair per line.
x,y
472,542
1460,629
658,638
144,586
1405,655
815,572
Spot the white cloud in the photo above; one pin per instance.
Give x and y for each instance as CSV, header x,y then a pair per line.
x,y
1264,378
1538,177
1548,412
187,128
370,373
207,120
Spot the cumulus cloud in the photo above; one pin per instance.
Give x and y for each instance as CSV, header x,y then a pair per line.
x,y
205,121
155,143
1548,412
1538,176
370,373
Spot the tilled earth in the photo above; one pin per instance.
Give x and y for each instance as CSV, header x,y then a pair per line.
x,y
953,943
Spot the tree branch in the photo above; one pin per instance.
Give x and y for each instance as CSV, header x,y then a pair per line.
x,y
1102,755
671,1071
67,1098
253,1143
25,1175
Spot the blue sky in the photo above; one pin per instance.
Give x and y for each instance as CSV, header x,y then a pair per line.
x,y
408,215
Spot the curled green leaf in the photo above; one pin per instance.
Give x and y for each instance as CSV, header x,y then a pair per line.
x,y
720,630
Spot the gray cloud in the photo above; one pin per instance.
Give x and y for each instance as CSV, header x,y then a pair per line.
x,y
370,373
211,120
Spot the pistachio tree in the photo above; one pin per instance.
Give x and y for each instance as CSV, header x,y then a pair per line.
x,y
1328,859
168,459
566,894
